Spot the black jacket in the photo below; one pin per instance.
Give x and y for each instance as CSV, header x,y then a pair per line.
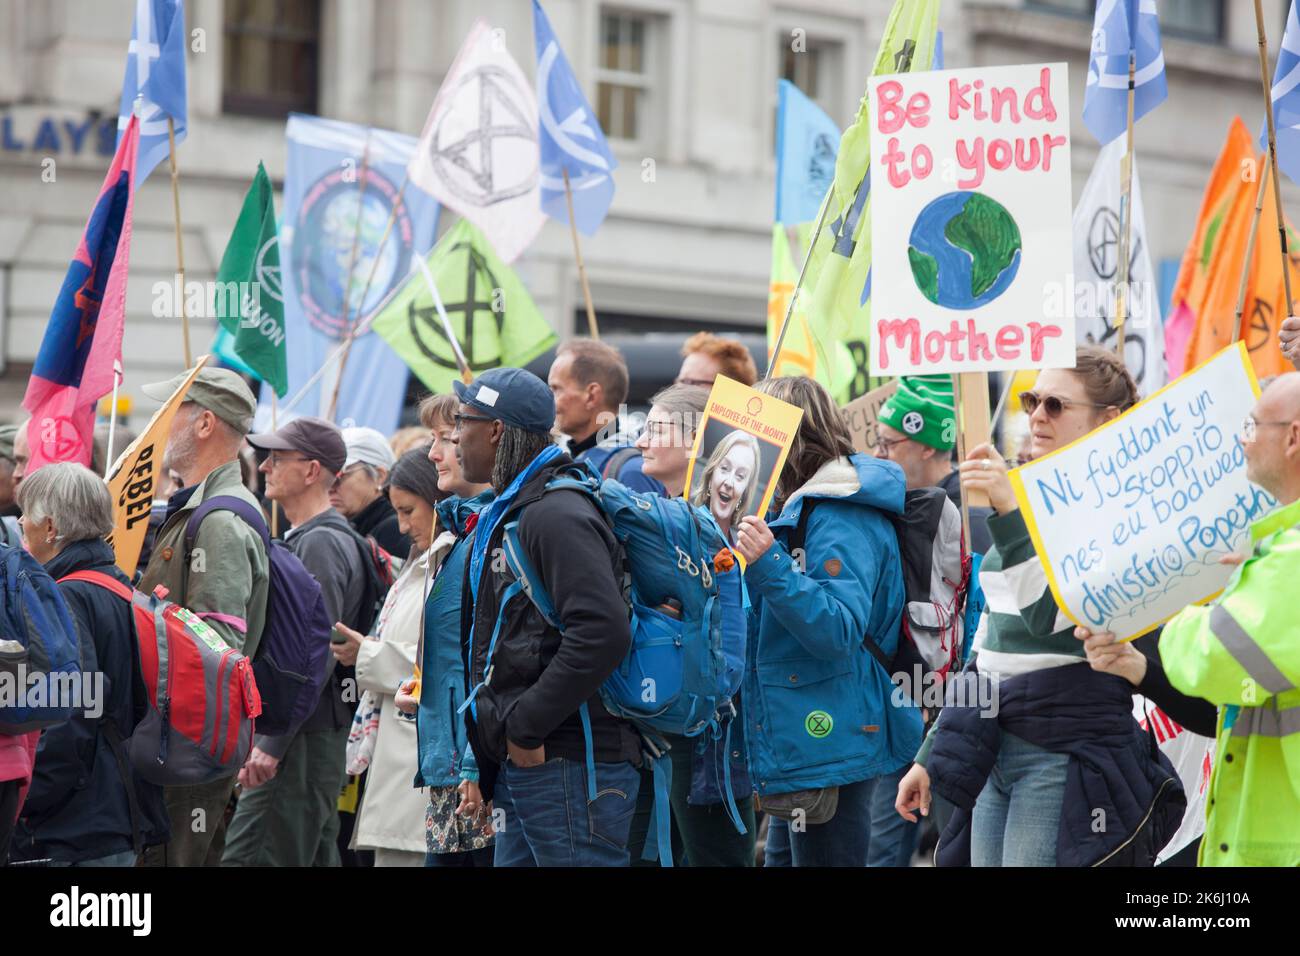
x,y
1116,773
78,808
378,520
540,677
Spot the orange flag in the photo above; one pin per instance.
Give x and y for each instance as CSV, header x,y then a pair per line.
x,y
1266,306
1204,299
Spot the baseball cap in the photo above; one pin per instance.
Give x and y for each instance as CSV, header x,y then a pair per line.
x,y
369,446
313,437
7,433
219,390
512,395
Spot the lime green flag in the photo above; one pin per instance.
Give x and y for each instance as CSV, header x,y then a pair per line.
x,y
839,272
803,353
248,300
491,314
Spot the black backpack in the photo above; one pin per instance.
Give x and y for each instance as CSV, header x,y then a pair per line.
x,y
936,574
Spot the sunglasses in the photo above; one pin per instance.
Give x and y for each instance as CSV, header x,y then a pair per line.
x,y
1053,405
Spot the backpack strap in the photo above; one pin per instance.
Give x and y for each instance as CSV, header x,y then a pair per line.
x,y
615,462
105,581
252,517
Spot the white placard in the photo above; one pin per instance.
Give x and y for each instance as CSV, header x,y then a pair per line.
x,y
970,220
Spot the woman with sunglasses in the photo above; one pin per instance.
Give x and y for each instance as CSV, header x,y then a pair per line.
x,y
1063,775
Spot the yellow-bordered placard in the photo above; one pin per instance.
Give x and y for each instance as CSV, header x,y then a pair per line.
x,y
741,444
1034,521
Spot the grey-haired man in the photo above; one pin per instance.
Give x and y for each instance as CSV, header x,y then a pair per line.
x,y
224,579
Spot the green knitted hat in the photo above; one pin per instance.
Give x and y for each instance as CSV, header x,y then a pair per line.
x,y
922,409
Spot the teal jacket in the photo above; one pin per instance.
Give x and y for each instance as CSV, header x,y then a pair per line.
x,y
444,755
819,709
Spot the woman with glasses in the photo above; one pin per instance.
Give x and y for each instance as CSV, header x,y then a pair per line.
x,y
1063,775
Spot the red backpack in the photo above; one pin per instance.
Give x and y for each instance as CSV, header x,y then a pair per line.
x,y
202,695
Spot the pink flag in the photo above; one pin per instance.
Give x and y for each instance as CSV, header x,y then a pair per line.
x,y
83,339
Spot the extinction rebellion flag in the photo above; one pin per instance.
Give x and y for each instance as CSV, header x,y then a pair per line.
x,y
249,301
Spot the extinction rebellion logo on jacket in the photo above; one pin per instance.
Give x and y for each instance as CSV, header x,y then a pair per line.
x,y
326,237
77,909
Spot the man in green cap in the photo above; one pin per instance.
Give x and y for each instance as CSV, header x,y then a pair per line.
x,y
224,579
917,430
10,534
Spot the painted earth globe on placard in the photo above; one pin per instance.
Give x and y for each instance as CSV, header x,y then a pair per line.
x,y
964,250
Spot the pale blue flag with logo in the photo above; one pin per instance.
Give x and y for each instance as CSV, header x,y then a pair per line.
x,y
569,137
341,185
1286,101
1122,26
155,71
806,143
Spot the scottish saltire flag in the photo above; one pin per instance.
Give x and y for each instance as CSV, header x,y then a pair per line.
x,y
1286,101
340,187
938,51
155,70
806,143
478,152
83,340
1121,26
569,137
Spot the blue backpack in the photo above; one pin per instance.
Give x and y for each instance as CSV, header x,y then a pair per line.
x,y
289,665
687,659
40,649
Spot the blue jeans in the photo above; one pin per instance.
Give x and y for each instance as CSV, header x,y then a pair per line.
x,y
548,820
891,839
1018,813
464,858
125,858
776,852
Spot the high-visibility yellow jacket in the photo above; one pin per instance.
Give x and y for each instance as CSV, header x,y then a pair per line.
x,y
1243,653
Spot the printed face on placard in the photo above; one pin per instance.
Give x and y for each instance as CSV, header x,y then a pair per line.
x,y
970,217
733,469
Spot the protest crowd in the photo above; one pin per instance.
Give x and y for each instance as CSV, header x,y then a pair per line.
x,y
539,628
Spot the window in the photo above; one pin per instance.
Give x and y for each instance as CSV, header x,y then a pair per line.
x,y
624,75
271,56
813,66
1191,19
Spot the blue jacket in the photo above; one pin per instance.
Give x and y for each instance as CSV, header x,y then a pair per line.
x,y
440,730
78,807
818,707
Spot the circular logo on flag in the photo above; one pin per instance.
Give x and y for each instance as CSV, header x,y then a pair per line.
x,y
818,724
327,233
913,422
268,274
478,322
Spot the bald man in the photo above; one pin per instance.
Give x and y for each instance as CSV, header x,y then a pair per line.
x,y
1242,653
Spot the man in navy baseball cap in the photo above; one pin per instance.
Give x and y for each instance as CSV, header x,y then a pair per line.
x,y
540,728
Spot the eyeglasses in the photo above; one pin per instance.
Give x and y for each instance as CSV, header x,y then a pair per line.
x,y
1053,405
884,444
1249,427
461,419
699,382
277,459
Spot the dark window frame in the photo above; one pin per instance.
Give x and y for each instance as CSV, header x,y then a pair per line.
x,y
275,104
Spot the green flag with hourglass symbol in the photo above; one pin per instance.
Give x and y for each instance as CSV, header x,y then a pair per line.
x,y
491,314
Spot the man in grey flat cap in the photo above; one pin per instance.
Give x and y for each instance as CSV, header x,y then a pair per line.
x,y
10,534
223,579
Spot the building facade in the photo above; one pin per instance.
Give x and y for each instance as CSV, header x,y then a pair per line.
x,y
686,90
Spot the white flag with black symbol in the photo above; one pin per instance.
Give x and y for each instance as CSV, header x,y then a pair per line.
x,y
1097,238
478,153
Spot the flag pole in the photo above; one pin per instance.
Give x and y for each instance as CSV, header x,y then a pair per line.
x,y
462,363
180,246
112,418
352,265
1250,251
1272,153
794,296
958,407
1126,212
577,252
275,505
